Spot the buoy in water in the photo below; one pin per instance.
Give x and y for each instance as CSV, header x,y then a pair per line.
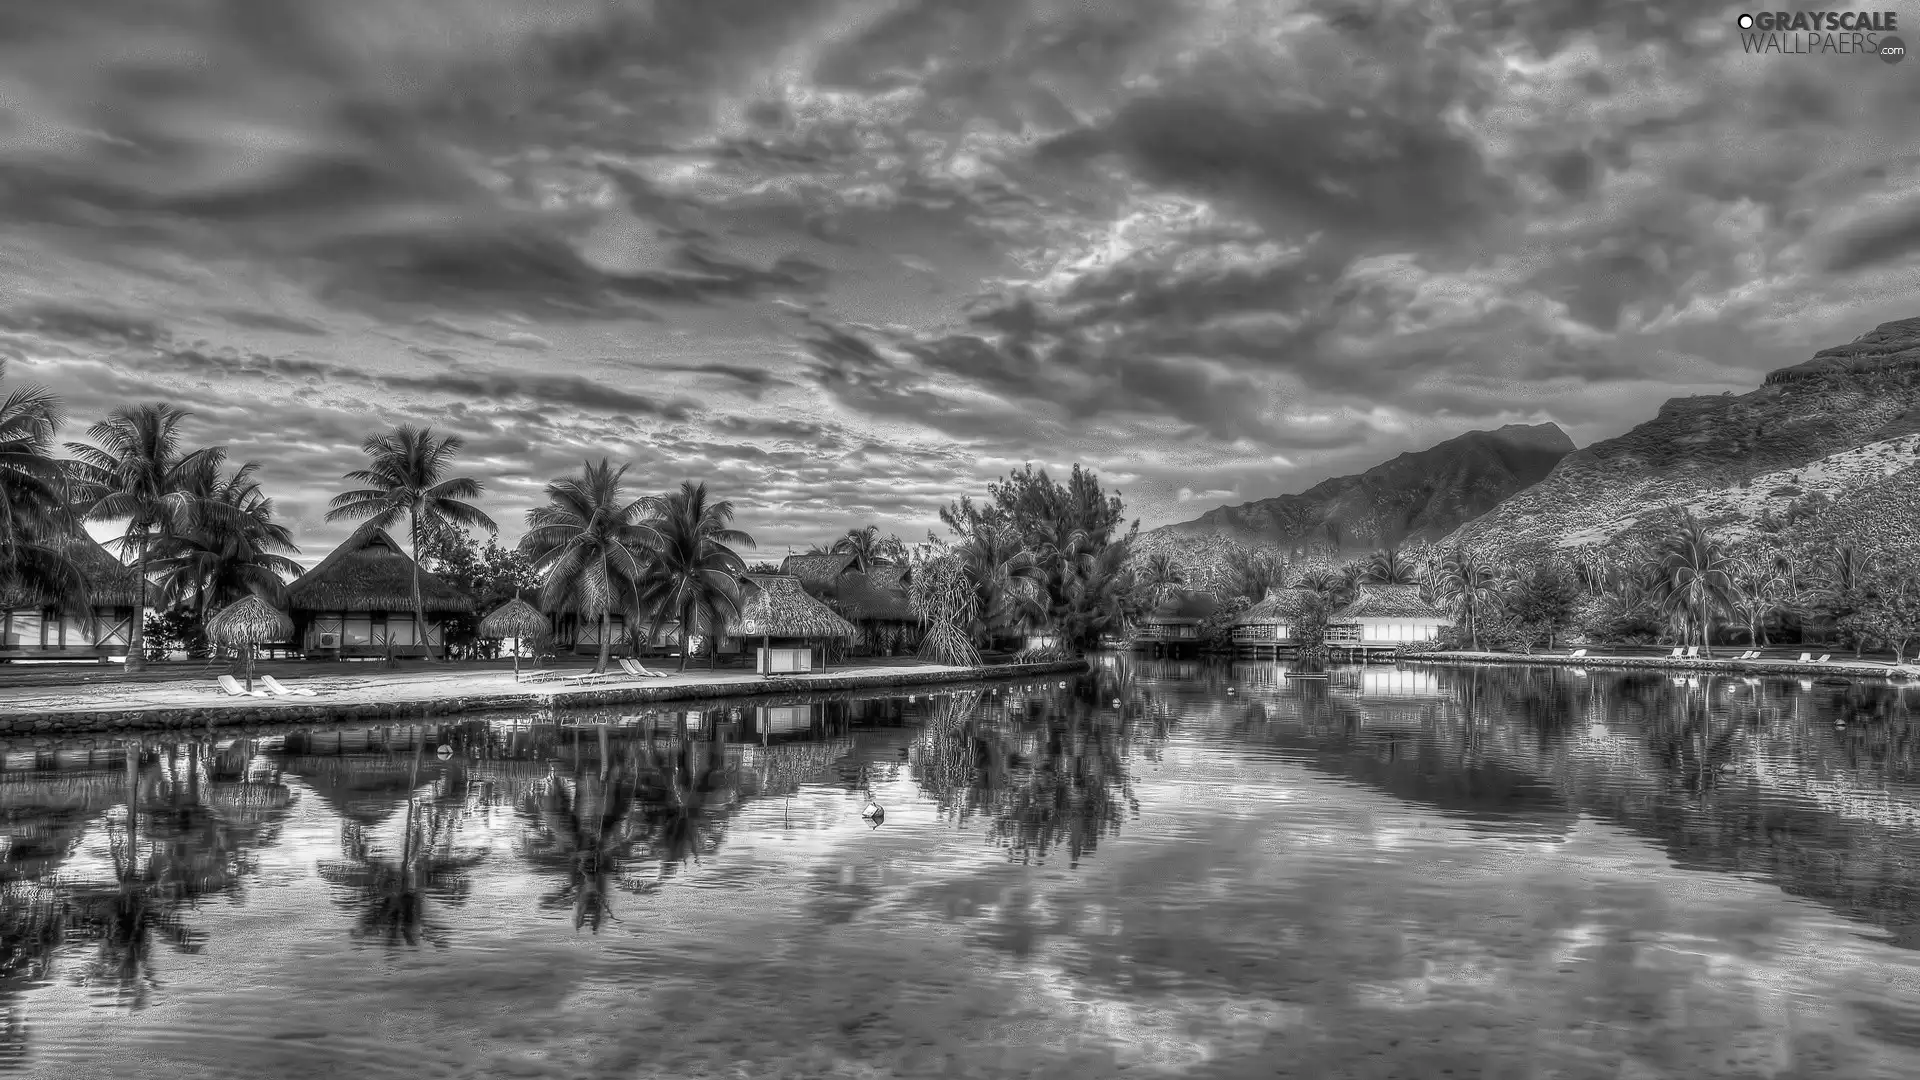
x,y
445,750
1116,703
873,812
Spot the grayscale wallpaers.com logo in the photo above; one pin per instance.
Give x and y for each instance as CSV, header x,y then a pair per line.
x,y
1854,33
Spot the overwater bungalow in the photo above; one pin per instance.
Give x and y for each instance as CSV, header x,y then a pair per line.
x,y
1175,625
1384,617
789,630
1268,626
874,601
36,631
358,602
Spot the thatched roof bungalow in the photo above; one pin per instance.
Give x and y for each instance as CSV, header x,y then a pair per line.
x,y
786,620
1178,620
1272,620
359,601
32,629
1386,615
875,602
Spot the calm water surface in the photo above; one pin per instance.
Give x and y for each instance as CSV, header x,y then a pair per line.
x,y
1391,873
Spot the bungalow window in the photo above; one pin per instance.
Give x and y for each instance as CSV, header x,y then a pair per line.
x,y
74,632
356,630
400,630
24,629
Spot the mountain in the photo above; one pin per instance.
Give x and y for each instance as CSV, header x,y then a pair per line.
x,y
1423,495
1836,431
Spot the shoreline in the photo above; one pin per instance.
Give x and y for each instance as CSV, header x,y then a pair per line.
x,y
1849,669
364,701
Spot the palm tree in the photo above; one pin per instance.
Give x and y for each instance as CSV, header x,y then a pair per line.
x,y
1160,579
407,474
1388,567
232,555
1100,594
1758,591
1695,577
34,522
1010,582
868,548
593,544
138,472
696,574
1470,584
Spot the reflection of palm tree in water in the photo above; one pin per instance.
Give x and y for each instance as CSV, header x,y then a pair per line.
x,y
582,829
1068,785
389,895
683,798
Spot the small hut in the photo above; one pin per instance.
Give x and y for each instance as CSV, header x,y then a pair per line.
x,y
1386,615
791,626
515,619
358,602
30,629
875,601
247,625
1270,623
1175,625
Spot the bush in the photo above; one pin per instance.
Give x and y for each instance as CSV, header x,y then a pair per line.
x,y
169,631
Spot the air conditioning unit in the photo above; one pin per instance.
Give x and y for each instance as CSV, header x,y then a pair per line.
x,y
329,641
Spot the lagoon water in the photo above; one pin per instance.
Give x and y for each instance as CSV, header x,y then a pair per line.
x,y
1393,872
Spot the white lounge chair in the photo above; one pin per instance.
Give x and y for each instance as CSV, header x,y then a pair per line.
x,y
586,677
640,671
1675,655
543,675
1577,653
233,688
1805,658
1750,654
1824,657
1693,653
277,689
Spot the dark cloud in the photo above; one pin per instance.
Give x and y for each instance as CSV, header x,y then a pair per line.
x,y
92,325
1882,239
544,390
268,320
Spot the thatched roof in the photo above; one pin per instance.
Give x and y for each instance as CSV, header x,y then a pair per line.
x,y
110,582
251,621
779,607
876,595
371,572
1280,606
1186,607
514,619
1390,602
817,573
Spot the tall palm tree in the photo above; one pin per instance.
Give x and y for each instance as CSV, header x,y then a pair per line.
x,y
1100,594
407,475
1695,577
232,555
137,471
34,518
695,575
1759,591
1388,567
868,548
593,544
1470,584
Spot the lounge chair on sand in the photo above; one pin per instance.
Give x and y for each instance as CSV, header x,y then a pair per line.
x,y
275,688
1824,657
543,675
1675,655
1805,658
587,677
1577,653
233,688
1693,652
640,671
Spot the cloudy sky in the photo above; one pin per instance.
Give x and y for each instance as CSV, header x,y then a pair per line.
x,y
846,259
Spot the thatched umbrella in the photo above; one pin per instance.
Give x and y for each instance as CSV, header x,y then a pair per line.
x,y
514,619
249,623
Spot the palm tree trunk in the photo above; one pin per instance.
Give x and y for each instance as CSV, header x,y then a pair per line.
x,y
686,635
606,640
137,635
420,636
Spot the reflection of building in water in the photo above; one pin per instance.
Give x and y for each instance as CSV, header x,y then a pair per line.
x,y
1398,683
782,719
